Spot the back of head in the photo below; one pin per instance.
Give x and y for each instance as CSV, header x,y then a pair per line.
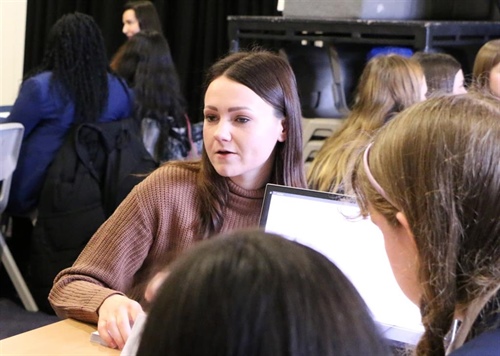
x,y
440,70
487,57
146,14
387,85
254,293
76,55
145,62
438,163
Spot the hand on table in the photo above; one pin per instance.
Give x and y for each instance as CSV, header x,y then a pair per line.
x,y
116,317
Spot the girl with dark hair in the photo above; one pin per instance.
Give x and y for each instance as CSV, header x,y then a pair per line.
x,y
252,136
252,293
71,86
443,73
145,62
140,15
431,182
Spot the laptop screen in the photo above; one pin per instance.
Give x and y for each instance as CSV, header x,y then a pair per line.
x,y
331,224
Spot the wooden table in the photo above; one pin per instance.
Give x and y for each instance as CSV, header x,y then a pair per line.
x,y
66,337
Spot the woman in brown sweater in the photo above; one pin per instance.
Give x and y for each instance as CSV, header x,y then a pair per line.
x,y
252,136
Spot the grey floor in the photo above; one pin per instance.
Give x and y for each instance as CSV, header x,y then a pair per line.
x,y
14,319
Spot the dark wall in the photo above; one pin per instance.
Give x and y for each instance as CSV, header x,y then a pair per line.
x,y
196,31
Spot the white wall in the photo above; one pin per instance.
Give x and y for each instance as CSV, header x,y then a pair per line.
x,y
12,31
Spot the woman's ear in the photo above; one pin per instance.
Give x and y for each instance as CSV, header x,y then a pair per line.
x,y
284,125
401,218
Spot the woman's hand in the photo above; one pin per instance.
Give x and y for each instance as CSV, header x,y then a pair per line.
x,y
116,317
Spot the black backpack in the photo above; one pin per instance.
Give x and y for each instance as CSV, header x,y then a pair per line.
x,y
94,170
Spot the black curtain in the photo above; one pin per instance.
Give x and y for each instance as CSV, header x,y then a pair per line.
x,y
195,29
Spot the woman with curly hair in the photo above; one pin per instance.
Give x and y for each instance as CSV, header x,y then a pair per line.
x,y
145,62
70,87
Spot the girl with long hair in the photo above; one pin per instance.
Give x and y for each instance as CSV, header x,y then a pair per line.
x,y
72,85
388,84
431,181
252,136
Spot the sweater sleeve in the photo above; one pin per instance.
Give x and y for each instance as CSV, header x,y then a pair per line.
x,y
108,264
27,108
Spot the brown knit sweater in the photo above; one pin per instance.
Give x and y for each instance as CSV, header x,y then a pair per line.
x,y
152,225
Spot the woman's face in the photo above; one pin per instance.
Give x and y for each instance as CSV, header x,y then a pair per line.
x,y
240,133
402,253
458,83
495,80
130,23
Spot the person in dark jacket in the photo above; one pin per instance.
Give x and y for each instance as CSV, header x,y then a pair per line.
x,y
71,86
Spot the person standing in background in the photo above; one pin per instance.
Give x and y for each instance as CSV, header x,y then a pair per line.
x,y
71,86
146,63
140,15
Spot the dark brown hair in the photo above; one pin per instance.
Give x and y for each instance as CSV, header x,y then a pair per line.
x,y
440,70
146,14
271,77
252,293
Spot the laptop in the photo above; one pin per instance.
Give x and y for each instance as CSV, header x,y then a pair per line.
x,y
332,225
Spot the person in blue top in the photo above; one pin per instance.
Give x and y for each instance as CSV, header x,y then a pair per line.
x,y
73,85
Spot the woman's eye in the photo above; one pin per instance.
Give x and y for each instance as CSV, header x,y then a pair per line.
x,y
242,119
210,118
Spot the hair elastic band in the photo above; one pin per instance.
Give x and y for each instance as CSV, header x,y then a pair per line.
x,y
372,180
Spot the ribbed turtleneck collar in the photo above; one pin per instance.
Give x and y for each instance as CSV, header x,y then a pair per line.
x,y
251,194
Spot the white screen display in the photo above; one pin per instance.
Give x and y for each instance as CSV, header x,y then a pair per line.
x,y
354,244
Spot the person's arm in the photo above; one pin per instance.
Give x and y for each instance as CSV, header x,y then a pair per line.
x,y
92,290
28,108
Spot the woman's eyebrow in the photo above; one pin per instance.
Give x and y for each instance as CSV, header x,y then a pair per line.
x,y
236,108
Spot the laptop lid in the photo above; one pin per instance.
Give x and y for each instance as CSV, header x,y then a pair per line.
x,y
331,224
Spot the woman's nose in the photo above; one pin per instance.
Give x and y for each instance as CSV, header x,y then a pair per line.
x,y
222,131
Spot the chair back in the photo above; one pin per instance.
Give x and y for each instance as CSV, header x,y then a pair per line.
x,y
5,112
11,136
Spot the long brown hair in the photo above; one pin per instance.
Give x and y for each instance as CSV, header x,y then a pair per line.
x,y
271,77
388,84
438,162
